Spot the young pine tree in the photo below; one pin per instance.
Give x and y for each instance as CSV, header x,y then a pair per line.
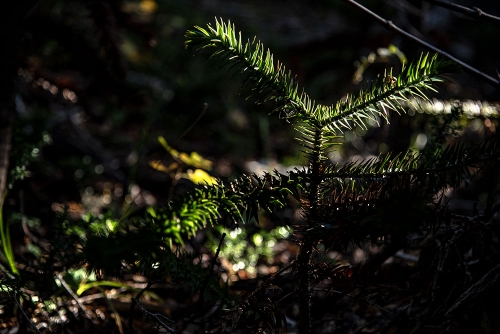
x,y
378,200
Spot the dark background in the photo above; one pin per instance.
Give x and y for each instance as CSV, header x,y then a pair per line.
x,y
97,82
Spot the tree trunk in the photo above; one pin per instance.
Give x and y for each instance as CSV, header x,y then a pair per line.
x,y
304,274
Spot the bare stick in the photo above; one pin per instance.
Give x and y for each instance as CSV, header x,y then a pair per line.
x,y
118,319
75,297
265,284
473,12
25,315
86,299
391,26
210,273
132,307
475,292
160,318
205,107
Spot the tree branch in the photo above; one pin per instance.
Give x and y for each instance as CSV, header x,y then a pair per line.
x,y
75,297
473,12
475,291
391,26
211,271
160,318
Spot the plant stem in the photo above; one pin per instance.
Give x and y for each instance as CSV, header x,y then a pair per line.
x,y
211,272
306,248
473,12
5,239
304,273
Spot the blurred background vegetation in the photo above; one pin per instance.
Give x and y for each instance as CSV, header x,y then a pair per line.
x,y
99,81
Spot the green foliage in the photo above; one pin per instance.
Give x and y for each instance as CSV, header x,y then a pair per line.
x,y
24,152
378,199
320,125
8,251
110,248
182,162
245,246
448,167
272,82
180,268
364,182
240,199
382,201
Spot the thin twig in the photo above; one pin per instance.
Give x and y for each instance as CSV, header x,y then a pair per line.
x,y
286,296
266,283
210,273
132,306
25,315
205,107
391,26
242,306
86,299
282,270
473,12
93,297
160,318
352,296
377,306
475,292
446,301
368,324
73,294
